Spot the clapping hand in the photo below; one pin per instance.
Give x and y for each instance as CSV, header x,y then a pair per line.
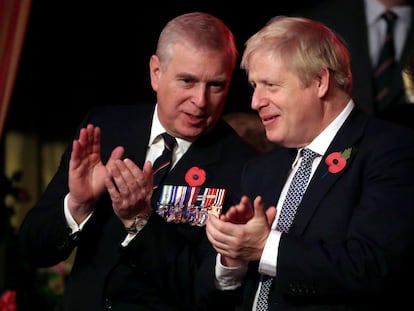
x,y
240,234
87,172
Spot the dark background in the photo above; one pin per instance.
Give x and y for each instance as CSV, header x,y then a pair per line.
x,y
78,54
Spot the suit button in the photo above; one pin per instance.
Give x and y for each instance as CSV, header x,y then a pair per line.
x,y
108,304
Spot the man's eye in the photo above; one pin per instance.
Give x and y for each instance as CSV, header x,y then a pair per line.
x,y
187,82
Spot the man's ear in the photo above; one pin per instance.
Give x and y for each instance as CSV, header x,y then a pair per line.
x,y
155,71
324,82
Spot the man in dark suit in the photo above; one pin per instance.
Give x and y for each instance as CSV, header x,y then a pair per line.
x,y
359,22
128,256
338,233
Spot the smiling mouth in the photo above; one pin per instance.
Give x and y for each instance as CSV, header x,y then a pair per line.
x,y
268,119
194,120
195,117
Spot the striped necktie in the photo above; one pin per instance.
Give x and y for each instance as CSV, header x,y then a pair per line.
x,y
162,164
386,66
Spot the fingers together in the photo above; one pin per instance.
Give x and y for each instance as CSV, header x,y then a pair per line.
x,y
129,184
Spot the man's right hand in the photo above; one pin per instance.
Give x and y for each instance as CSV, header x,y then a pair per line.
x,y
87,172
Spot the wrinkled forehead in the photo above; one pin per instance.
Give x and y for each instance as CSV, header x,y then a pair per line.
x,y
199,62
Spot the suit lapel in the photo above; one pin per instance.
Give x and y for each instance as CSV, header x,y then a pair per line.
x,y
137,134
271,194
347,137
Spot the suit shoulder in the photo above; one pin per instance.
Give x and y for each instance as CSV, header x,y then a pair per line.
x,y
389,130
118,116
121,110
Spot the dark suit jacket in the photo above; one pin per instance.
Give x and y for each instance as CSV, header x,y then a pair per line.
x,y
167,266
351,245
347,18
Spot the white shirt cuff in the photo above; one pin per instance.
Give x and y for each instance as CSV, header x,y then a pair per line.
x,y
228,278
69,219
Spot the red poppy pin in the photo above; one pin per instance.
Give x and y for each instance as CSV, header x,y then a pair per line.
x,y
336,161
8,301
195,176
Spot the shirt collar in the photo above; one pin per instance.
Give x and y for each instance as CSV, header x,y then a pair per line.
x,y
321,143
157,129
374,9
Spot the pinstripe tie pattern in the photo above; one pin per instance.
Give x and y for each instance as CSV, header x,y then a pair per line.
x,y
162,164
293,197
386,64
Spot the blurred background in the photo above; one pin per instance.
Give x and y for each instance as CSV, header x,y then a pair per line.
x,y
79,55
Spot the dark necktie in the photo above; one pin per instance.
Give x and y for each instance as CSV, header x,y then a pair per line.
x,y
386,63
162,164
293,197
